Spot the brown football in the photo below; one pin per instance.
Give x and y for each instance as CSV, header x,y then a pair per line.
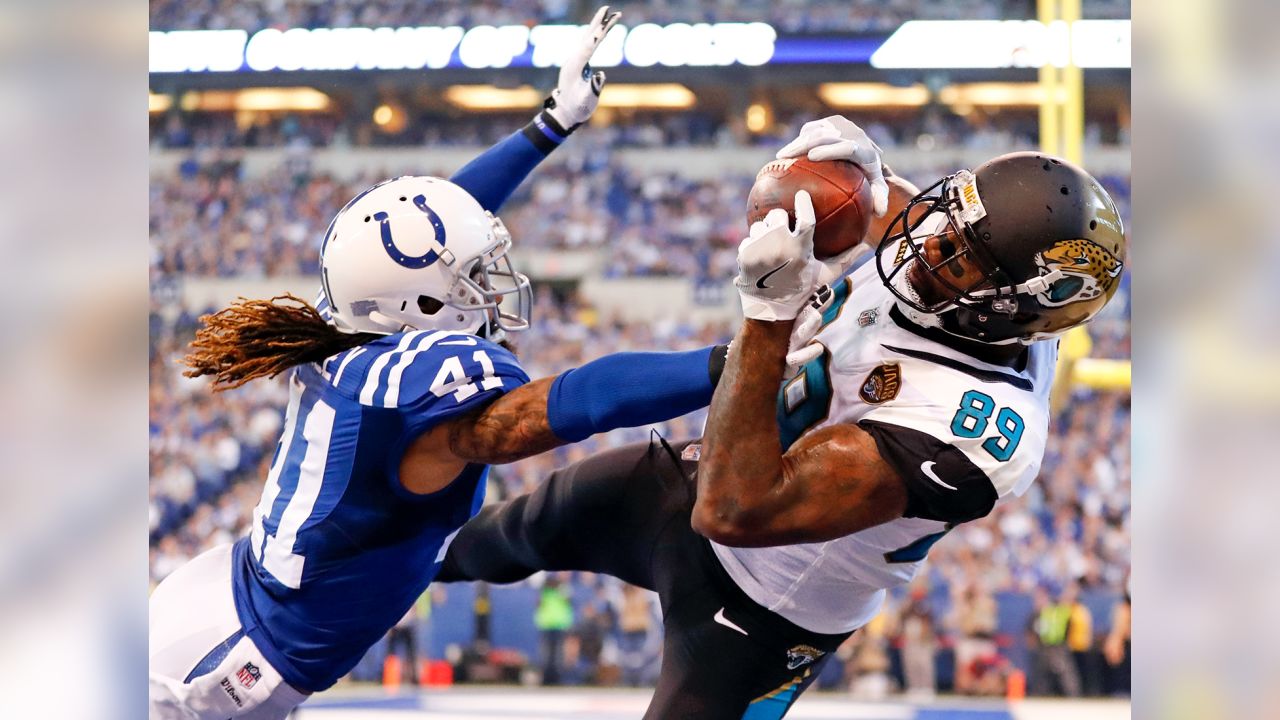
x,y
841,199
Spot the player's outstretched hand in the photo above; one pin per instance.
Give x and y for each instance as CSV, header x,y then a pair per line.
x,y
776,269
837,138
578,91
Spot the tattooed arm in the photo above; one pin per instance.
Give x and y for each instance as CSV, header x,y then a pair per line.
x,y
512,427
627,389
830,483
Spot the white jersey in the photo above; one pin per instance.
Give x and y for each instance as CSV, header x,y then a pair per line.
x,y
962,433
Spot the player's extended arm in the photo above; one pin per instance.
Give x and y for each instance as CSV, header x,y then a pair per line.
x,y
628,389
495,174
830,483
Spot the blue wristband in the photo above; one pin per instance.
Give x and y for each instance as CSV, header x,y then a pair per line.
x,y
629,389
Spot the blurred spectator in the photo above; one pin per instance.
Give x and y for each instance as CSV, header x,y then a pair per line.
x,y
974,620
553,618
595,620
1117,647
1080,642
867,653
404,635
919,645
1055,669
637,629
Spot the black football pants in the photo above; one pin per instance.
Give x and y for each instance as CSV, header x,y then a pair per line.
x,y
626,512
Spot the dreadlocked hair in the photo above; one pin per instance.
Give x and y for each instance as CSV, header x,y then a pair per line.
x,y
263,338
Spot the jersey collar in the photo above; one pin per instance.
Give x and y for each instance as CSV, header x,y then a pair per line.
x,y
990,354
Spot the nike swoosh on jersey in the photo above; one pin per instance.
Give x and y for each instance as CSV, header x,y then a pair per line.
x,y
760,283
926,467
720,618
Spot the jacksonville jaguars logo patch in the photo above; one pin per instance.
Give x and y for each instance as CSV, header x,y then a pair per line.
x,y
882,384
1089,271
802,655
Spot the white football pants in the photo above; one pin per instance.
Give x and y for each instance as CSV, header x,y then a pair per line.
x,y
203,666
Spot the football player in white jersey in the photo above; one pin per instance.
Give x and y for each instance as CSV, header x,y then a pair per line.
x,y
915,399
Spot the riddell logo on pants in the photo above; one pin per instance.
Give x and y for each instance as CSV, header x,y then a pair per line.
x,y
226,685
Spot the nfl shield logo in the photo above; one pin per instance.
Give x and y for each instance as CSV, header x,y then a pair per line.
x,y
249,675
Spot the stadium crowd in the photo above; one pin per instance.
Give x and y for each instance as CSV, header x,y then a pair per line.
x,y
786,15
208,220
636,129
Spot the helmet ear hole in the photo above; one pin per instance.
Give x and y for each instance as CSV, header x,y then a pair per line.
x,y
428,305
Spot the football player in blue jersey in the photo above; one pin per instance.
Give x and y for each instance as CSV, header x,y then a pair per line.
x,y
401,392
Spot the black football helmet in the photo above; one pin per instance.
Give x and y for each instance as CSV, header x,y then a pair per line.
x,y
1046,236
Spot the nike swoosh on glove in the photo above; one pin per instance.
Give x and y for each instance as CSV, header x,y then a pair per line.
x,y
776,269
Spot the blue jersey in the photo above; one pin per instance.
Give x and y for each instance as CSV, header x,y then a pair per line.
x,y
339,550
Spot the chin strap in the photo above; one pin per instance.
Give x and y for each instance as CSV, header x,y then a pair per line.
x,y
1034,286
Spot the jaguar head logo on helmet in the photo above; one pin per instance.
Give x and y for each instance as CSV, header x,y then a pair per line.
x,y
1020,249
421,253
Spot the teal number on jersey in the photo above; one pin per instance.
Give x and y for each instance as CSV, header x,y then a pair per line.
x,y
973,417
805,400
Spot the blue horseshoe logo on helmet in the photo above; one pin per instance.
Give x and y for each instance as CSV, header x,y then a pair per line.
x,y
413,262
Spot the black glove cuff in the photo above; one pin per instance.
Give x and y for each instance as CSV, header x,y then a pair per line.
x,y
550,120
715,364
545,132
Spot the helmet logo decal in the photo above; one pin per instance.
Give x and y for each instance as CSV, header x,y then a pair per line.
x,y
1089,271
413,262
971,208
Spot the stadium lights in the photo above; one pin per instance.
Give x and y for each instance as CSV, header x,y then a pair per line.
x,y
872,95
992,94
302,99
297,99
390,117
488,97
659,96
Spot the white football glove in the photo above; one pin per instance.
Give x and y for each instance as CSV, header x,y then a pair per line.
x,y
776,269
578,91
837,138
802,349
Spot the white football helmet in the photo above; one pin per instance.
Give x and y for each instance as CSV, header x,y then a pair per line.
x,y
420,253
